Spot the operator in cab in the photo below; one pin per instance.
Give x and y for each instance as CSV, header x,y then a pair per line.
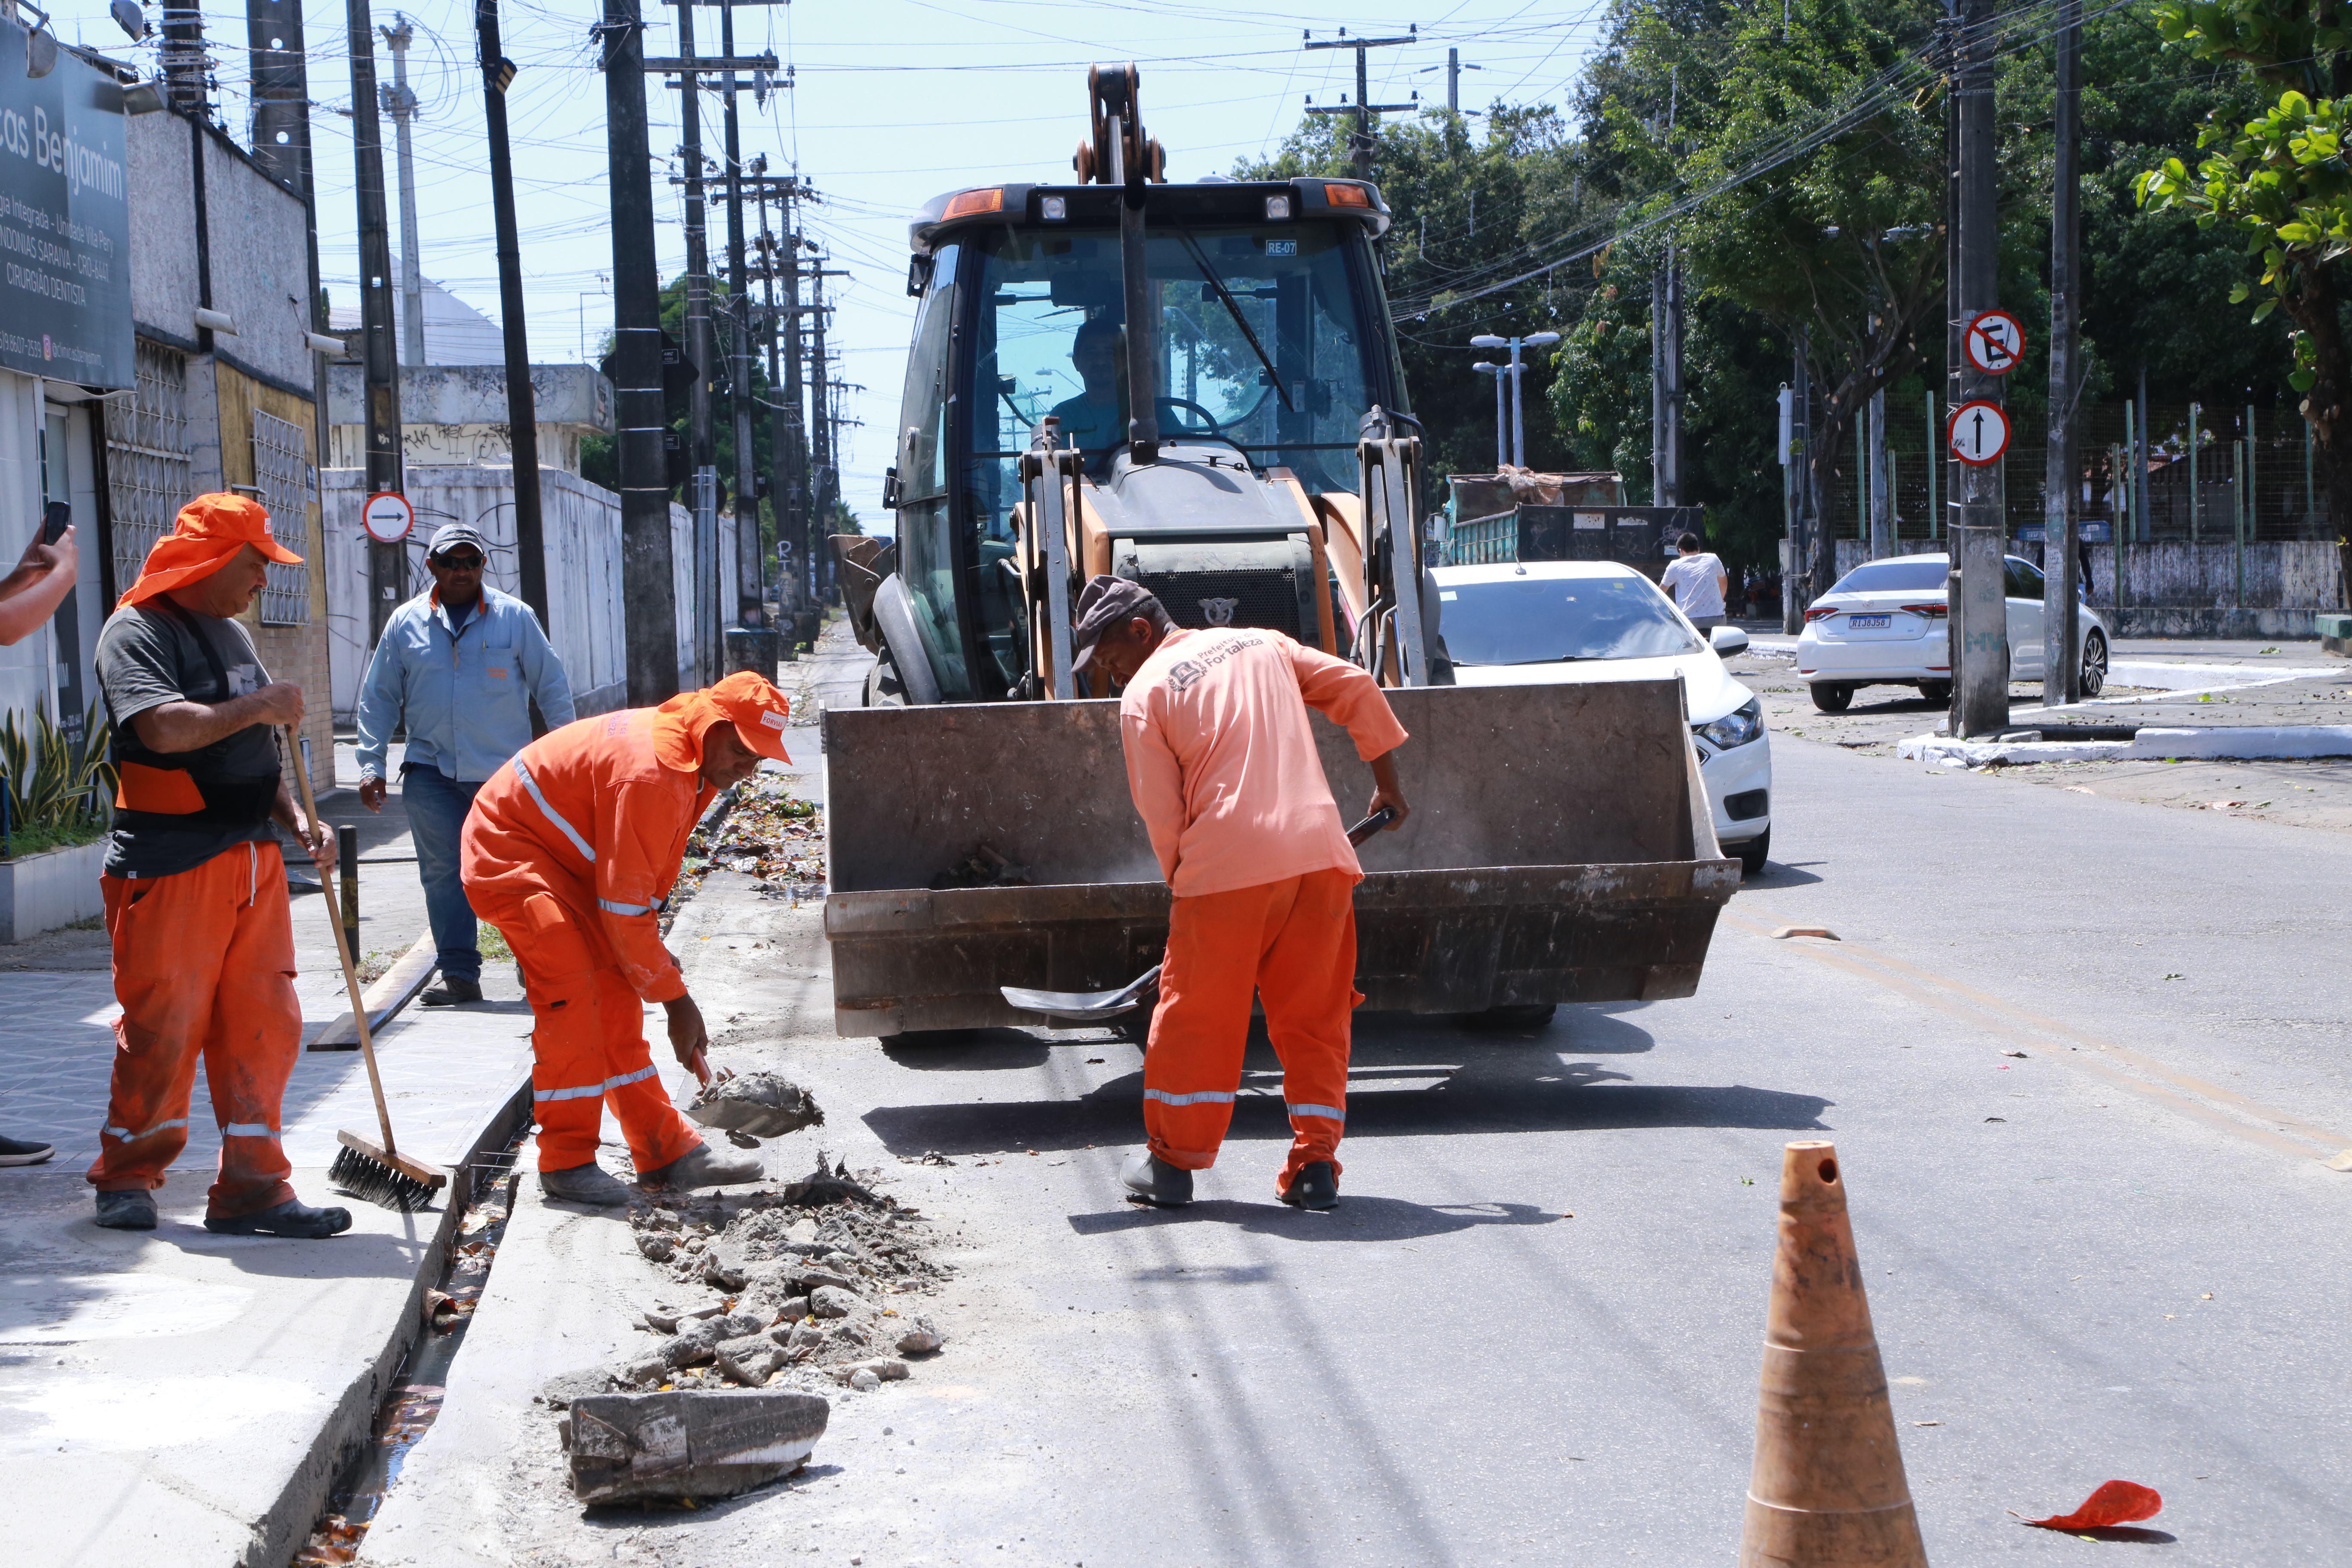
x,y
1221,761
1094,421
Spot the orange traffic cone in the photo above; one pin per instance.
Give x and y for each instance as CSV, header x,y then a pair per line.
x,y
1827,1489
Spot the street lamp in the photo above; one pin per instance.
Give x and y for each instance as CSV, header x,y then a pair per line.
x,y
1502,432
1514,370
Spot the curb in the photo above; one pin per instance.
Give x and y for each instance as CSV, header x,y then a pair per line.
x,y
392,991
2294,742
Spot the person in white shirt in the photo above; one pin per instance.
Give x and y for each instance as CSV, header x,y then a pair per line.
x,y
1697,580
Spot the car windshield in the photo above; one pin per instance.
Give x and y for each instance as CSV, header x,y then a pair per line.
x,y
1894,577
1544,620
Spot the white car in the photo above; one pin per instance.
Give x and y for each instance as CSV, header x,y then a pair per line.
x,y
1884,624
1540,622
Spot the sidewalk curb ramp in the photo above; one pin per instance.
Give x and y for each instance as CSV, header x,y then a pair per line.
x,y
2295,742
384,998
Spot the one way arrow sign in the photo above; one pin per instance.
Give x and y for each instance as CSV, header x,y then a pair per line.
x,y
1979,432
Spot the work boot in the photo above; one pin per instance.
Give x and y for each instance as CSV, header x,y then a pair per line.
x,y
134,1210
1317,1187
1156,1182
701,1166
590,1183
453,991
293,1219
23,1152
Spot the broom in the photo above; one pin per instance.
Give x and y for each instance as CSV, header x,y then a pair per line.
x,y
371,1173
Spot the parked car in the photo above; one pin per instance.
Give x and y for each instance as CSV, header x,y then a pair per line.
x,y
1882,623
1541,622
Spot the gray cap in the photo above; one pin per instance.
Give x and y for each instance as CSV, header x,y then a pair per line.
x,y
1104,603
450,535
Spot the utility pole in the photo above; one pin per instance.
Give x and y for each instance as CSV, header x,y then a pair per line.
x,y
187,70
815,572
401,104
523,403
801,528
650,607
1882,499
1502,411
701,443
1979,616
387,564
749,557
1797,578
779,469
1453,68
281,146
2061,672
1666,352
1361,145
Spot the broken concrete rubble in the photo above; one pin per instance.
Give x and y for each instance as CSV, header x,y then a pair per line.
x,y
631,1446
832,1302
761,1104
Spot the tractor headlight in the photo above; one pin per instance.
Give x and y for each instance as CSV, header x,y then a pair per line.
x,y
1735,727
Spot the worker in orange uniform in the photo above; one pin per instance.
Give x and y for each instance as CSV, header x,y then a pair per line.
x,y
1222,763
194,883
570,850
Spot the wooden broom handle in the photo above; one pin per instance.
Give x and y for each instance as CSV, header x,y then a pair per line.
x,y
343,951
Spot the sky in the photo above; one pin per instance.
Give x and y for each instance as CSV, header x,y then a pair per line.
x,y
892,102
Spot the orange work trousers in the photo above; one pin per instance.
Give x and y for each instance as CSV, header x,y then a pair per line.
x,y
1291,943
587,1039
204,966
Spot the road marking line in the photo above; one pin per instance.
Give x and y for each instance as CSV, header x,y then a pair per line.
x,y
2005,1017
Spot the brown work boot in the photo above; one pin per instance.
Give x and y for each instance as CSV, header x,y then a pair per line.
x,y
1151,1180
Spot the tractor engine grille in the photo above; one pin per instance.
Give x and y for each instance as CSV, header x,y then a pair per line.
x,y
1266,598
1210,583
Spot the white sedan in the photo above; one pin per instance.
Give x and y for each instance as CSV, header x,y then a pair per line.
x,y
1884,624
1541,622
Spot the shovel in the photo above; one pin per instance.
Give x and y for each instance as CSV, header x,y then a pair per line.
x,y
1092,1006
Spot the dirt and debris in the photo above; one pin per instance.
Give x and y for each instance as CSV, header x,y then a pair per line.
x,y
985,867
765,832
757,1104
679,1444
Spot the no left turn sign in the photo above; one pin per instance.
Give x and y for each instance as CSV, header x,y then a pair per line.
x,y
388,516
1996,342
1979,432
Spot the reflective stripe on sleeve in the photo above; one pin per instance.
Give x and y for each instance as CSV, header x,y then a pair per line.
x,y
554,816
611,908
1333,1111
1203,1096
249,1130
130,1137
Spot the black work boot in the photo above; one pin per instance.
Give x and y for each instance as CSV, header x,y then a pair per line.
x,y
1154,1180
453,992
1317,1187
131,1210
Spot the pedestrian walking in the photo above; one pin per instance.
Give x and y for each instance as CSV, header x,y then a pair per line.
x,y
194,884
29,595
1697,580
458,666
570,851
1221,761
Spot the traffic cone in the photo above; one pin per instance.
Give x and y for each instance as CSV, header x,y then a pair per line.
x,y
1827,1489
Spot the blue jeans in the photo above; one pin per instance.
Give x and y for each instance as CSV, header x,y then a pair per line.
x,y
436,805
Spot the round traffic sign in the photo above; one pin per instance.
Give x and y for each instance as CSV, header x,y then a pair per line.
x,y
1979,432
1996,343
387,517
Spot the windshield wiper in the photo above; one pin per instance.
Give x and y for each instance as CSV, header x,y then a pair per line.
x,y
1209,275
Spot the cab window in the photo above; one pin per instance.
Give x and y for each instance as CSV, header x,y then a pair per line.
x,y
928,556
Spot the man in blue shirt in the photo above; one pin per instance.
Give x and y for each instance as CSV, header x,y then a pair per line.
x,y
459,666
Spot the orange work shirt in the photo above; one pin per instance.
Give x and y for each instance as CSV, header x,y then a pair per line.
x,y
1220,756
597,815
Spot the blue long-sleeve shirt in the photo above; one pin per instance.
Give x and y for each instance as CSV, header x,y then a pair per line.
x,y
464,693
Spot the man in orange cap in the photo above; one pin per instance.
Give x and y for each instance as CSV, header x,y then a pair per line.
x,y
570,851
194,884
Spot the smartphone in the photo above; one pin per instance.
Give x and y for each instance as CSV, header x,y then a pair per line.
x,y
55,520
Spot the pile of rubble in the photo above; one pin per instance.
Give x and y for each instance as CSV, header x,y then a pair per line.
x,y
764,833
806,1285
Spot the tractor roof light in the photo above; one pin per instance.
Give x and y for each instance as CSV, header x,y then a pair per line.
x,y
966,204
1347,196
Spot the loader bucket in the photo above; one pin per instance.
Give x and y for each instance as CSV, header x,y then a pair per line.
x,y
1560,850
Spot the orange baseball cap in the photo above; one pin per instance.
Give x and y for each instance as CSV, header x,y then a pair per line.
x,y
759,710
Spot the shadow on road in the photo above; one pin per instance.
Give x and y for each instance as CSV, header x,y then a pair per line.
x,y
1358,1218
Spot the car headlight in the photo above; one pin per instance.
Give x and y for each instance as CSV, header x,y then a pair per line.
x,y
1735,727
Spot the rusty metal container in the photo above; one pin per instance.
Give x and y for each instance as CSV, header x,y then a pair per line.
x,y
1560,850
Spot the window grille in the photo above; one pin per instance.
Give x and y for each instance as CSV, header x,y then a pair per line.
x,y
147,455
281,471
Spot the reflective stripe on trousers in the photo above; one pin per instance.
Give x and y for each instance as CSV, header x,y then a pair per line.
x,y
595,1091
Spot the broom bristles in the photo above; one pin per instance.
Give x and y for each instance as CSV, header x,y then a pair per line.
x,y
370,1180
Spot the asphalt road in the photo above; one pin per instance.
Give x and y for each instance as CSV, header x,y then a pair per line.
x,y
1530,1334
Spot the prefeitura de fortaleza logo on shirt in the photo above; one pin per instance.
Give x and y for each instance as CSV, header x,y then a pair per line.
x,y
1184,673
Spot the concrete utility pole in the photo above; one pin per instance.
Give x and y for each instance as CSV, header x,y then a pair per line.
x,y
1361,145
387,564
1881,497
1796,578
1978,616
281,146
701,348
401,104
522,403
1666,382
1453,68
187,70
650,607
749,557
779,467
2061,672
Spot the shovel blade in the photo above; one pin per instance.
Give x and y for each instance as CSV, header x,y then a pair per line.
x,y
1084,1006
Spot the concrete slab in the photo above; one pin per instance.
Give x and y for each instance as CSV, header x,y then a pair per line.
x,y
2239,742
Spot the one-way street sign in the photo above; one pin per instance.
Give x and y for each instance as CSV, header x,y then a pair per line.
x,y
1979,432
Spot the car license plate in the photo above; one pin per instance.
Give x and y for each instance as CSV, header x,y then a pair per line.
x,y
1870,623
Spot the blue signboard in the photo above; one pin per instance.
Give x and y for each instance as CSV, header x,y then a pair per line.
x,y
65,221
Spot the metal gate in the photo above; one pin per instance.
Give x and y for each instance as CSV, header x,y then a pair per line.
x,y
147,470
281,471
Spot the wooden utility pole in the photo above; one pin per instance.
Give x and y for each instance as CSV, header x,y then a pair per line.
x,y
522,403
387,564
649,613
1361,146
1978,614
2061,672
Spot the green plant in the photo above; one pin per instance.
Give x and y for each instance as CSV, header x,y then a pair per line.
x,y
53,790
